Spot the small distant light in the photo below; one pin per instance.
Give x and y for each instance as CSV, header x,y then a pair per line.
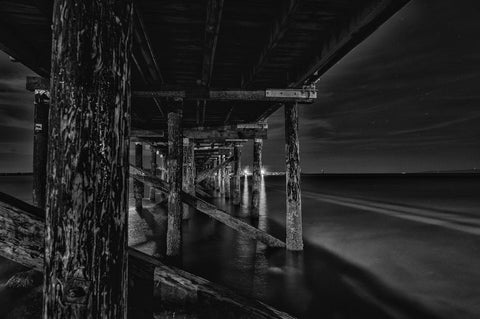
x,y
263,171
246,172
158,152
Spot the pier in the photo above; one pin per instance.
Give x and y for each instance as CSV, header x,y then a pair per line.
x,y
190,83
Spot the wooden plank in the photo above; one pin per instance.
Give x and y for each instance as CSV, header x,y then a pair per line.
x,y
210,210
212,27
276,34
257,176
174,160
22,240
21,232
294,197
304,95
40,147
86,218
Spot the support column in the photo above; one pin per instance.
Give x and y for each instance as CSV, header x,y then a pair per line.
x,y
237,153
40,147
153,169
221,176
188,173
174,162
294,200
85,269
138,187
227,181
257,176
189,166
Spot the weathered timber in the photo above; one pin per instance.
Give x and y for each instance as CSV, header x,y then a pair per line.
x,y
304,95
257,176
40,146
209,299
237,172
212,26
209,172
189,166
174,162
21,232
138,187
86,219
227,181
294,198
149,279
217,133
153,169
210,210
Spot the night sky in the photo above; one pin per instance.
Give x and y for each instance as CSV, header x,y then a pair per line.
x,y
405,100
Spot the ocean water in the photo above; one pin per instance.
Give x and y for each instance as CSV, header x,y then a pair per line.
x,y
375,246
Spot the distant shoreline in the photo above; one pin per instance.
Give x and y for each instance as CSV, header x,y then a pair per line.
x,y
17,174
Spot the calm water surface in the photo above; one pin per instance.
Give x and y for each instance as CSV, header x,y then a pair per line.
x,y
417,257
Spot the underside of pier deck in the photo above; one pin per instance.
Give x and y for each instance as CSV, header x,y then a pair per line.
x,y
159,73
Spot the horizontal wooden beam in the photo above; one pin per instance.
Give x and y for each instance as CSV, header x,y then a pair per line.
x,y
220,133
306,95
209,209
350,34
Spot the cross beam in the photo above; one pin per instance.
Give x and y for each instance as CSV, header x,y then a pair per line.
x,y
221,133
306,95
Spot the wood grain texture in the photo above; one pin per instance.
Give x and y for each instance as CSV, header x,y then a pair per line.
x,y
294,198
86,225
174,162
257,176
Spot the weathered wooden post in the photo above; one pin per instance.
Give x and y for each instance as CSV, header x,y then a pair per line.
x,y
153,169
189,166
174,162
138,187
162,166
188,173
237,172
294,199
40,146
227,181
221,176
257,176
88,162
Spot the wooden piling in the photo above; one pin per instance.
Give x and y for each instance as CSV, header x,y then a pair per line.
x,y
294,199
237,172
257,176
188,176
153,169
138,187
88,161
40,147
174,162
